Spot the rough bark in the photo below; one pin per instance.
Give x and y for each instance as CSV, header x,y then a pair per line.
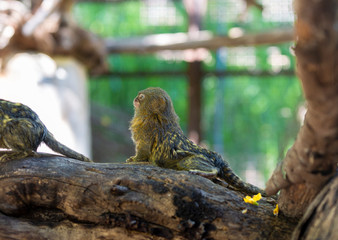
x,y
58,198
313,158
321,219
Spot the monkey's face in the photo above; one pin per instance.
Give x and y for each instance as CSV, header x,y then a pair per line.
x,y
152,101
137,101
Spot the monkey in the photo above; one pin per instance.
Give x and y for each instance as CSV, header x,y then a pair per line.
x,y
159,140
22,131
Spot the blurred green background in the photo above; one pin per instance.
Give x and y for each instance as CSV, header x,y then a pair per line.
x,y
249,117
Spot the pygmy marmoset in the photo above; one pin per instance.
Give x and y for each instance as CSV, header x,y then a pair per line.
x,y
160,140
22,131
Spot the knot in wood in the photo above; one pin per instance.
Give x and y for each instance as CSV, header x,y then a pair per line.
x,y
118,190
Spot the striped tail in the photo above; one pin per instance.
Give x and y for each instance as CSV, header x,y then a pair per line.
x,y
230,177
64,150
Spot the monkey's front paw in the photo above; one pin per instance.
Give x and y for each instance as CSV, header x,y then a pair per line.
x,y
130,160
135,160
85,159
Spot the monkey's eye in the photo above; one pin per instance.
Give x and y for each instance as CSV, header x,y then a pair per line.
x,y
141,97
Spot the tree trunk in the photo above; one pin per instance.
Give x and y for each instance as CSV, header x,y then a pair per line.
x,y
313,158
53,197
321,218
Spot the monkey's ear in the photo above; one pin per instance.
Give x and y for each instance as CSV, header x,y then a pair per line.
x,y
159,104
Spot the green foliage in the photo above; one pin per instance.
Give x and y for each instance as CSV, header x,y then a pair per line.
x,y
144,63
259,116
109,19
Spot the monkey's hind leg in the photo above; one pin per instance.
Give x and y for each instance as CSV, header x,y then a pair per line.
x,y
12,155
199,165
23,137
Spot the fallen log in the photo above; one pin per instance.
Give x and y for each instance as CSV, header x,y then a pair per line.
x,y
52,197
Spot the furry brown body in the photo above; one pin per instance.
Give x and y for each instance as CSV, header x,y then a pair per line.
x,y
22,131
159,139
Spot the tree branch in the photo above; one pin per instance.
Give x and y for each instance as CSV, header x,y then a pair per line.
x,y
54,196
182,41
313,158
43,12
51,31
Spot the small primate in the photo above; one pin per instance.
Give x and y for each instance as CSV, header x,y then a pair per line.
x,y
22,131
159,139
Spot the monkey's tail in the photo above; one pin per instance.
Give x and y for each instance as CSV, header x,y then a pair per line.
x,y
230,177
64,150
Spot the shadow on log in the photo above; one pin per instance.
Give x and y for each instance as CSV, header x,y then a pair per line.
x,y
53,197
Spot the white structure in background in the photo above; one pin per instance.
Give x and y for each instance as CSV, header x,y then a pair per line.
x,y
56,90
278,11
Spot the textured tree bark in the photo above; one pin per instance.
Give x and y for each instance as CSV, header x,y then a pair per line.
x,y
313,158
59,198
321,218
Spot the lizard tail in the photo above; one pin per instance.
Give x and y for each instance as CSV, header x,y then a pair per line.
x,y
64,150
230,177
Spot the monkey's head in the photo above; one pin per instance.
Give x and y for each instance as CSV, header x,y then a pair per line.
x,y
155,102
